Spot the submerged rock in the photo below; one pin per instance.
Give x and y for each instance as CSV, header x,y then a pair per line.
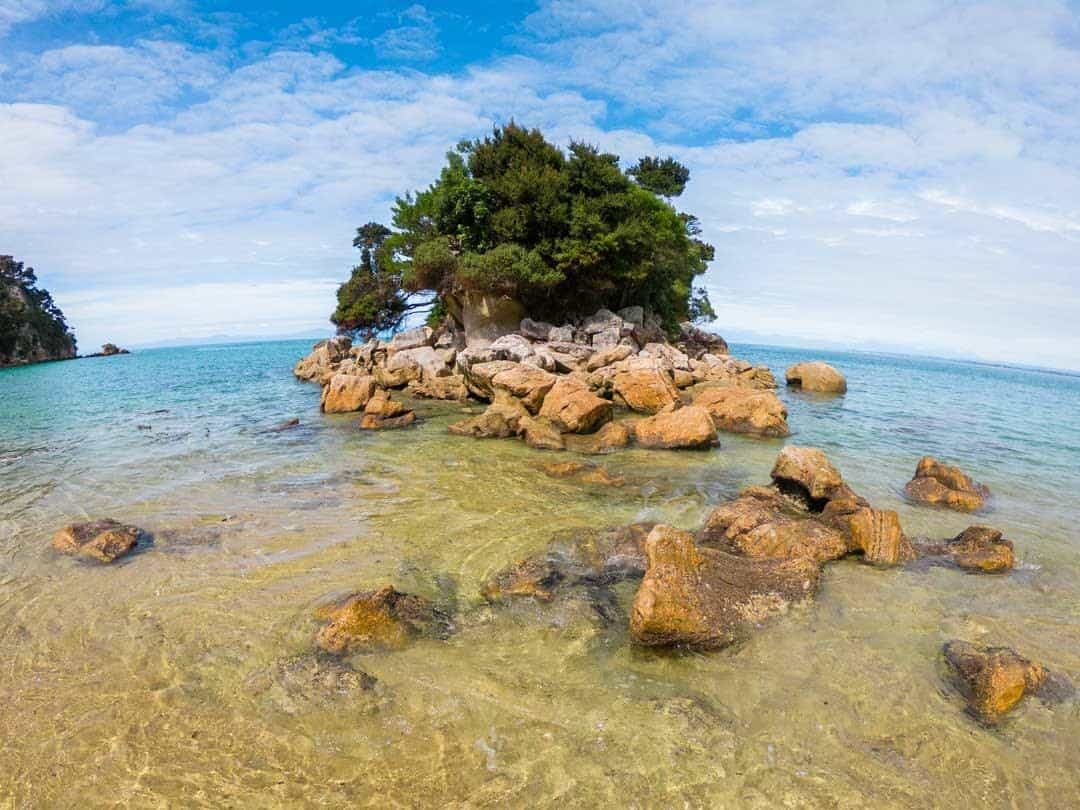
x,y
579,557
686,428
102,540
977,548
736,409
540,434
611,437
942,485
704,598
995,679
585,472
816,376
383,619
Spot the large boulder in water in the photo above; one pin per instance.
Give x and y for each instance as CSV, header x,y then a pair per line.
x,y
816,376
346,393
704,598
995,679
942,485
500,420
978,548
736,409
611,437
687,428
762,523
807,472
572,408
383,619
102,540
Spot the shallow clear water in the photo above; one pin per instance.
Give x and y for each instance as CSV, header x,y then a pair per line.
x,y
176,677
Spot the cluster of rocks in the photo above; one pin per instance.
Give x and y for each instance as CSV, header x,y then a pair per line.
x,y
562,387
753,558
943,485
109,350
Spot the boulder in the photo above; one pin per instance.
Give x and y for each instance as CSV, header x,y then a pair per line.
x,y
644,389
578,351
606,338
603,320
878,535
611,437
697,342
540,434
384,619
446,388
561,334
635,316
735,409
703,598
432,362
321,363
535,330
941,485
372,422
543,359
102,540
977,548
572,408
995,679
500,421
761,523
485,316
686,428
816,376
609,355
806,472
526,383
412,339
669,357
511,347
398,371
346,393
478,376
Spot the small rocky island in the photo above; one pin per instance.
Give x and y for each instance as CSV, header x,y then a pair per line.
x,y
32,327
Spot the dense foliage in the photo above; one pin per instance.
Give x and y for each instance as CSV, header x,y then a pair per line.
x,y
31,325
563,233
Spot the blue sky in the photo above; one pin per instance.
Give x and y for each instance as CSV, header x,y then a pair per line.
x,y
899,176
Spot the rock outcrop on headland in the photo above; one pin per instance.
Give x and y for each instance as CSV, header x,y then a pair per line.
x,y
559,387
32,327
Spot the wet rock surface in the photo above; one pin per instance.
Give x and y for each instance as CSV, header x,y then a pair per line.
x,y
940,484
383,619
736,409
102,540
689,428
980,549
816,376
703,598
995,679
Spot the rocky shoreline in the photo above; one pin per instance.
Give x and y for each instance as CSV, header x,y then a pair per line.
x,y
606,383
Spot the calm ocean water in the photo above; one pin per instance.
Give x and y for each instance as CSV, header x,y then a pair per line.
x,y
161,679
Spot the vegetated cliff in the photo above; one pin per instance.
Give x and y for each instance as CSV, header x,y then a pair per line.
x,y
32,327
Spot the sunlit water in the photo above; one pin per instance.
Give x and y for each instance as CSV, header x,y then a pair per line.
x,y
176,677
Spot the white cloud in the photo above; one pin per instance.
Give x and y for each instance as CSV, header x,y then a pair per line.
x,y
911,181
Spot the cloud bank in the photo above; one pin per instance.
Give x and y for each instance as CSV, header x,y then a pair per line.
x,y
904,178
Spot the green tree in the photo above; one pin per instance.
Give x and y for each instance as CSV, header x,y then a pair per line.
x,y
564,233
664,176
28,315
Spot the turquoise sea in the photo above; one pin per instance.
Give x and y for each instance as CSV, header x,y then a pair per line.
x,y
183,676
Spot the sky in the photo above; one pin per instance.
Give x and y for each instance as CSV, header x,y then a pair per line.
x,y
900,176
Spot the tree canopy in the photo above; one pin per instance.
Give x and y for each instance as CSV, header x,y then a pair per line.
x,y
564,233
28,314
